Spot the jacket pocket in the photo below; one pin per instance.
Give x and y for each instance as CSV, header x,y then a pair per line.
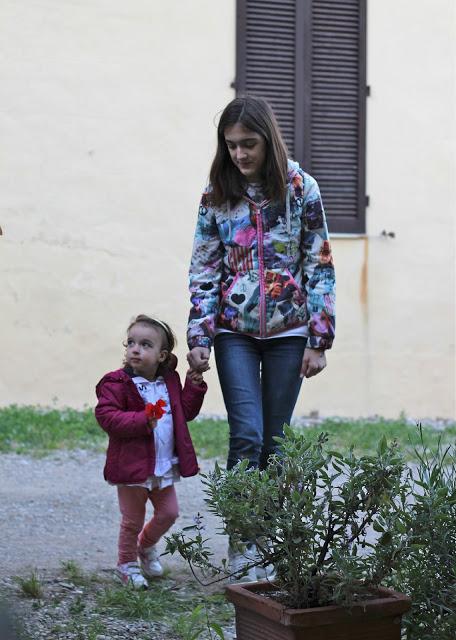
x,y
285,301
239,309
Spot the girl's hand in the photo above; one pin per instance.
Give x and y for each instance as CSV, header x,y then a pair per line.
x,y
152,422
195,376
313,362
198,358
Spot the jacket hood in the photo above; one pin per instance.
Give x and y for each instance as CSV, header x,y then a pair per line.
x,y
293,169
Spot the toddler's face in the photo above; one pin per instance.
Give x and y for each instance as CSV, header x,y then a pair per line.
x,y
144,350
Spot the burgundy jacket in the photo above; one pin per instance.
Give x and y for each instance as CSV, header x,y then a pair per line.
x,y
121,413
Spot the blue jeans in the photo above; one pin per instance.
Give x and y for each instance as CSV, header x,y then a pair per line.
x,y
260,384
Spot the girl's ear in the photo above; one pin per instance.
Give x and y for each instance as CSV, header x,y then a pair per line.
x,y
163,355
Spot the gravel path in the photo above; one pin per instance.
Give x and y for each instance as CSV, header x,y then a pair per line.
x,y
59,508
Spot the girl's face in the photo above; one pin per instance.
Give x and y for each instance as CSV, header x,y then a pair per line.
x,y
247,150
144,350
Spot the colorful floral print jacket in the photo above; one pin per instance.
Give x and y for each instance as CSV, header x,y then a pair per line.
x,y
261,268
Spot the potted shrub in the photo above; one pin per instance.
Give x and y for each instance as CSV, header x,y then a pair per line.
x,y
310,513
427,571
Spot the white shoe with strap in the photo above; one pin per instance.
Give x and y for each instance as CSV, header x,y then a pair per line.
x,y
238,565
263,571
149,562
266,572
130,574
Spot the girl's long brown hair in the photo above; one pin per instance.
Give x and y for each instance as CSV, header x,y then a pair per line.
x,y
228,183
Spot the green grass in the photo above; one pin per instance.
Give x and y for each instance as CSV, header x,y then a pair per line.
x,y
74,573
210,438
38,430
164,600
131,604
31,586
182,608
365,434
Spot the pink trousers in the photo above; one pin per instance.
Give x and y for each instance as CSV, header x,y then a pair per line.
x,y
133,530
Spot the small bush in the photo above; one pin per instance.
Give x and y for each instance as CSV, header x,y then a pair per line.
x,y
427,570
31,586
309,513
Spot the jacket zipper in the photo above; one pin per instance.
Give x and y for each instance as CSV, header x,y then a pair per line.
x,y
262,311
259,224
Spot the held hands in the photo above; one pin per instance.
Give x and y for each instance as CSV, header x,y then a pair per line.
x,y
198,359
313,362
195,376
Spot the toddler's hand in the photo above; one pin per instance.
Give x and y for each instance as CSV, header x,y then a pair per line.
x,y
195,376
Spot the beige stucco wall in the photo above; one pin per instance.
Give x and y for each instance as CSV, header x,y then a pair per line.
x,y
107,134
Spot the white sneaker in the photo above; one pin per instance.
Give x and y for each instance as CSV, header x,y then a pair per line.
x,y
130,574
238,565
149,562
265,573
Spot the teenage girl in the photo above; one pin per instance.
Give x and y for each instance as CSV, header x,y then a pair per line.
x,y
261,281
147,451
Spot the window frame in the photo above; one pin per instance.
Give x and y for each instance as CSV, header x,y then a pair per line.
x,y
355,222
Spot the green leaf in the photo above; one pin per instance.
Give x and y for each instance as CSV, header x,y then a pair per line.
x,y
197,611
382,446
377,527
400,526
218,630
385,538
242,466
288,431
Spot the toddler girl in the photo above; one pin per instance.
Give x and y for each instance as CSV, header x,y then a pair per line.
x,y
144,410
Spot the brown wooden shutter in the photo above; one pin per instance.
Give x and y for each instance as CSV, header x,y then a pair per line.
x,y
266,57
308,59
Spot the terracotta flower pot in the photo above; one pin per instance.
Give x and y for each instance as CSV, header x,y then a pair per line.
x,y
261,618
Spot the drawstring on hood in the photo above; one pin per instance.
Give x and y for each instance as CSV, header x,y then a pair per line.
x,y
228,210
288,217
292,171
287,207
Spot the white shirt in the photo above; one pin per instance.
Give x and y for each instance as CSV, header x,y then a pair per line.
x,y
287,333
165,459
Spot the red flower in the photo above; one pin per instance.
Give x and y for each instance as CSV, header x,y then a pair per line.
x,y
155,411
